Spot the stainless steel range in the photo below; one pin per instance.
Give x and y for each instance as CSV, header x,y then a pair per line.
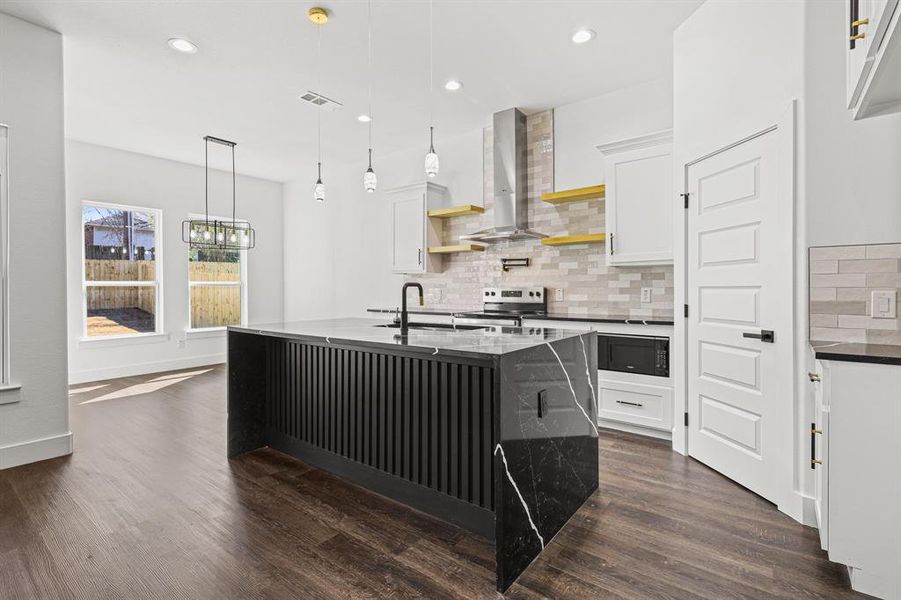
x,y
506,307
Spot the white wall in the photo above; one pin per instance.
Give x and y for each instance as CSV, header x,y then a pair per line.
x,y
338,257
102,174
736,70
581,126
34,420
854,167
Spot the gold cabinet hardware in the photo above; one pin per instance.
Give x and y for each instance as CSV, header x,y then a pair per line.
x,y
813,377
820,431
860,22
859,36
814,462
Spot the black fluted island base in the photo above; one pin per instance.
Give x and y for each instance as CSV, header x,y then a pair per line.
x,y
490,430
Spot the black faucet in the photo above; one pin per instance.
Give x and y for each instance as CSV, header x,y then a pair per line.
x,y
404,319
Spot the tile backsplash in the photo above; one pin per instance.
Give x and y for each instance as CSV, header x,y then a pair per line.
x,y
842,280
589,285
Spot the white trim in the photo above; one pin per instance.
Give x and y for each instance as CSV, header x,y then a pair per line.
x,y
146,368
206,332
123,340
157,271
636,429
4,257
648,140
31,451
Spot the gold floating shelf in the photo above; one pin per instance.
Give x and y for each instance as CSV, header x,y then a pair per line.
x,y
456,211
457,248
566,240
595,192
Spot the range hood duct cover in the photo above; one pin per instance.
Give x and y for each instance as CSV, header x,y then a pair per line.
x,y
511,219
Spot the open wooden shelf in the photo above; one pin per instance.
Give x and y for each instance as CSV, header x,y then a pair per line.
x,y
566,240
456,248
456,211
594,192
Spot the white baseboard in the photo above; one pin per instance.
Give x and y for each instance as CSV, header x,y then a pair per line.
x,y
654,433
35,450
145,368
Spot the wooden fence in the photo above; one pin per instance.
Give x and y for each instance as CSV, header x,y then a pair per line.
x,y
211,306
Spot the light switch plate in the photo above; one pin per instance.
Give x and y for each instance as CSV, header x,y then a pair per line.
x,y
883,304
558,295
646,295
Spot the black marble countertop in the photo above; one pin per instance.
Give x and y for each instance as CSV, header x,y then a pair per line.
x,y
492,341
865,353
551,316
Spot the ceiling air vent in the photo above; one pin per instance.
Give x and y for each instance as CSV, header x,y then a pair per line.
x,y
318,100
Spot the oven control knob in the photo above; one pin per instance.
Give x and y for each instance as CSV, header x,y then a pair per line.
x,y
538,294
492,293
531,293
486,293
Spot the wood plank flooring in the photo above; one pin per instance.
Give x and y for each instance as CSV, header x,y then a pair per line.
x,y
149,507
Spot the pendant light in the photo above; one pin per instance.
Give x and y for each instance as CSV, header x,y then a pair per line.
x,y
431,159
209,233
319,16
370,181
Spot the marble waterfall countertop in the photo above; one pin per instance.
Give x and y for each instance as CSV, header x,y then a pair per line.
x,y
489,341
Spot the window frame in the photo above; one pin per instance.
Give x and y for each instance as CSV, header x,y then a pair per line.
x,y
242,283
157,283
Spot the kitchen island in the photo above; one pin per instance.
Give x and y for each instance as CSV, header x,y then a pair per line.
x,y
492,429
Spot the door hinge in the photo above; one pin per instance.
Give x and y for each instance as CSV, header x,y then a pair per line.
x,y
686,311
685,198
686,419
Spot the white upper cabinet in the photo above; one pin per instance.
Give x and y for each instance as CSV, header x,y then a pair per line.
x,y
638,176
873,49
412,230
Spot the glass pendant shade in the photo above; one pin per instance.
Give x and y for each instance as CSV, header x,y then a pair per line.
x,y
370,181
431,159
319,188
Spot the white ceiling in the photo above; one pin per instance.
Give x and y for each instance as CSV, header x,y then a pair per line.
x,y
125,88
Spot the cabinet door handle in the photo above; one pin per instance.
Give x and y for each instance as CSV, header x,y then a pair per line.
x,y
858,36
860,22
813,377
813,446
419,255
611,244
638,404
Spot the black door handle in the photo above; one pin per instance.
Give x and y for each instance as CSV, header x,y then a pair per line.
x,y
765,335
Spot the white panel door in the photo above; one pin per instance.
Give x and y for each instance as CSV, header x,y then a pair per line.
x,y
739,282
409,234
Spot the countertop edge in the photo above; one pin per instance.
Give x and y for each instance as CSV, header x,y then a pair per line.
x,y
549,317
879,354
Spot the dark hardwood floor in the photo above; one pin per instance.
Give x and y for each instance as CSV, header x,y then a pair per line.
x,y
149,507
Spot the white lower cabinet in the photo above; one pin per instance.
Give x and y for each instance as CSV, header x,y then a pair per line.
x,y
858,485
634,402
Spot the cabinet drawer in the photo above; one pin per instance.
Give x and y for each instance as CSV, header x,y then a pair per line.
x,y
638,404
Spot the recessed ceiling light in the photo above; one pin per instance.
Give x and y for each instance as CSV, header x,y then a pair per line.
x,y
453,85
182,45
364,118
583,35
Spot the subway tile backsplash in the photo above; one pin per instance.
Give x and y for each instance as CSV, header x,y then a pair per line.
x,y
589,285
842,280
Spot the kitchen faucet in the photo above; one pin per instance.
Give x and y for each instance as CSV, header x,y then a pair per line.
x,y
404,319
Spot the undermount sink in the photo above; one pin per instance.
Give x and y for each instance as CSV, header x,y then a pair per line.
x,y
433,326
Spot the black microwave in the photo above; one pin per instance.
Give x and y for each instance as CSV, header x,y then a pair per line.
x,y
645,355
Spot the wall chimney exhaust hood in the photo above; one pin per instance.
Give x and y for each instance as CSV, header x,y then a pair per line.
x,y
511,221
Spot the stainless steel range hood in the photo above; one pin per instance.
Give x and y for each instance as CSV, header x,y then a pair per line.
x,y
511,221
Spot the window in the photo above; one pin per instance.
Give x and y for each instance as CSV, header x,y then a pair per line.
x,y
122,264
216,284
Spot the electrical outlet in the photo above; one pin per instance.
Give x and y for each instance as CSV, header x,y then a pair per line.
x,y
883,304
646,295
558,295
